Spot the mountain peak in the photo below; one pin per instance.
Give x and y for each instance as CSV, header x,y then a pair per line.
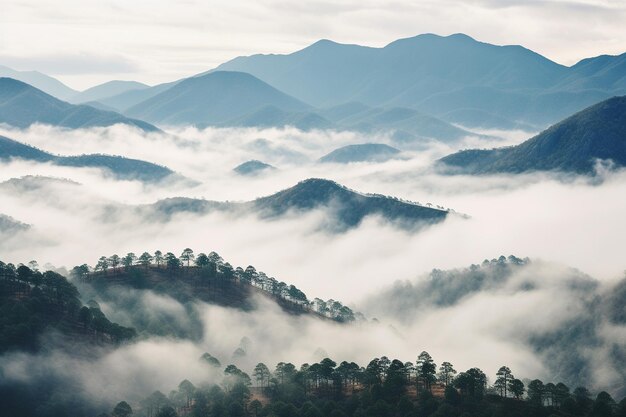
x,y
349,207
323,43
213,98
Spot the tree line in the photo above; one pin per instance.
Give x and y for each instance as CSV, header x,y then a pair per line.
x,y
382,388
213,265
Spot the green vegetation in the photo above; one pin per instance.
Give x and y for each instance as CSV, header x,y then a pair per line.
x,y
34,303
209,278
382,388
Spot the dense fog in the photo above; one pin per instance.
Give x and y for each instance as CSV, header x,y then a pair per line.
x,y
541,216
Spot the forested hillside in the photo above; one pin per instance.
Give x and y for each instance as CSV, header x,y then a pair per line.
x,y
35,304
574,145
190,278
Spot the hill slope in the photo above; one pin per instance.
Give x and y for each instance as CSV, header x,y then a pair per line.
x,y
573,145
365,152
33,304
120,167
453,77
22,105
211,99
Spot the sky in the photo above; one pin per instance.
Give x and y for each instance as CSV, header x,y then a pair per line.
x,y
84,43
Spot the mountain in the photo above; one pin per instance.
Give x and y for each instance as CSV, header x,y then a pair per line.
x,y
215,98
120,167
452,77
216,283
347,208
253,167
107,90
41,81
366,152
573,145
22,105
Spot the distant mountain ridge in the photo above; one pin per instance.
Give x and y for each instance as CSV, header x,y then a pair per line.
x,y
452,77
573,145
445,81
235,99
122,168
41,81
22,105
347,207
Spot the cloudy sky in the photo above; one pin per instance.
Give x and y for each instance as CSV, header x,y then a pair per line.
x,y
87,42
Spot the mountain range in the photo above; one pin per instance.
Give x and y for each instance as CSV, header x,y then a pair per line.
x,y
120,167
452,77
416,86
22,105
41,81
237,99
573,145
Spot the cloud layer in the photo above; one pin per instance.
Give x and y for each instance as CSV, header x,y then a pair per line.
x,y
567,220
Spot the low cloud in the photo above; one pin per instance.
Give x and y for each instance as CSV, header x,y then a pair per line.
x,y
571,221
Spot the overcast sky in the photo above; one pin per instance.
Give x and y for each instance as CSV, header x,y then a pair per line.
x,y
85,42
